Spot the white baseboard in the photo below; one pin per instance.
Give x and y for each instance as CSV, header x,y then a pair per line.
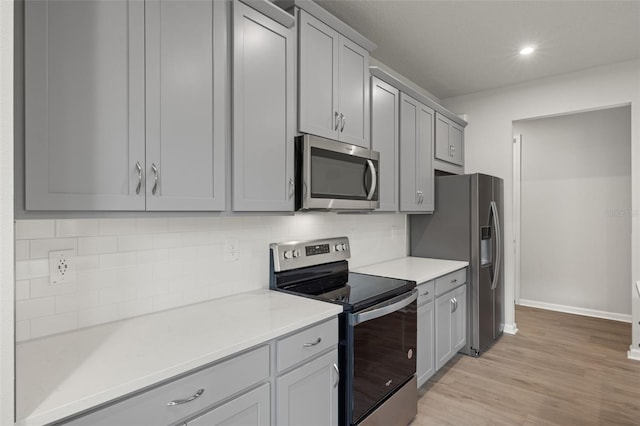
x,y
576,311
633,353
510,328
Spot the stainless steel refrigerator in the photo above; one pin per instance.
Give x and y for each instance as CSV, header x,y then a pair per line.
x,y
467,225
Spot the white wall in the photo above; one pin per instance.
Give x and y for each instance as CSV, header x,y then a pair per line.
x,y
6,214
576,212
488,140
135,266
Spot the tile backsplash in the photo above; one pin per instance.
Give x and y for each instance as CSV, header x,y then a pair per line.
x,y
135,266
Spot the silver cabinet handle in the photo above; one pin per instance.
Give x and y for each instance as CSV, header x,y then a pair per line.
x,y
139,168
420,197
196,395
374,179
155,178
335,367
426,293
337,121
453,306
454,281
343,120
292,187
308,345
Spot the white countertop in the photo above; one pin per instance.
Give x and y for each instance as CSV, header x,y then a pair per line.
x,y
61,375
418,269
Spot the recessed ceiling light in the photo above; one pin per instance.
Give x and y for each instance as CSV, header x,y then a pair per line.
x,y
527,50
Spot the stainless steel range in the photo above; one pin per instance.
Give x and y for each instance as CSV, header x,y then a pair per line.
x,y
377,350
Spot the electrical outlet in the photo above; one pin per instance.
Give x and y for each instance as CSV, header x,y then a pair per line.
x,y
231,250
62,267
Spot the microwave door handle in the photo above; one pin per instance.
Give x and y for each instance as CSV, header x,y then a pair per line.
x,y
374,179
391,306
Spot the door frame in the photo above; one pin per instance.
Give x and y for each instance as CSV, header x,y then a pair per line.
x,y
517,176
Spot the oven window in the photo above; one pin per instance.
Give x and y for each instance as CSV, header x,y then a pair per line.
x,y
384,358
340,176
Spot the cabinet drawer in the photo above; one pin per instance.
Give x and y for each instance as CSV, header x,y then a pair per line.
x,y
426,292
216,382
307,343
450,281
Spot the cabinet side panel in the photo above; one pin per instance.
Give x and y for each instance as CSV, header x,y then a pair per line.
x,y
408,140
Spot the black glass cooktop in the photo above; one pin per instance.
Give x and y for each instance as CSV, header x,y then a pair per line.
x,y
334,283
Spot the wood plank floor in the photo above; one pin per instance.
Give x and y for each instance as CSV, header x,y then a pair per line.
x,y
560,369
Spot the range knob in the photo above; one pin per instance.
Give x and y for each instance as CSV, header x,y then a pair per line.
x,y
296,253
288,254
345,246
338,247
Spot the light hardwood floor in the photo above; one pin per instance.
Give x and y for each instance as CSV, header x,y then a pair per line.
x,y
560,369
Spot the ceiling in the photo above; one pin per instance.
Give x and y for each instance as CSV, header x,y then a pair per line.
x,y
453,48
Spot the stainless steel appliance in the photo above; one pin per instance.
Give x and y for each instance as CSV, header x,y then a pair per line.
x,y
332,175
467,225
377,349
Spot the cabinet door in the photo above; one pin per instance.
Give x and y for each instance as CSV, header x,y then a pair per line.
x,y
385,102
318,77
250,409
84,105
185,67
354,93
449,141
456,139
263,112
444,345
459,319
416,165
425,363
308,395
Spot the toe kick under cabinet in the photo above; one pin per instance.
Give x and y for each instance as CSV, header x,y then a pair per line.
x,y
291,380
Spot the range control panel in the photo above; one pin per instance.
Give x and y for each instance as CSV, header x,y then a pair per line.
x,y
300,254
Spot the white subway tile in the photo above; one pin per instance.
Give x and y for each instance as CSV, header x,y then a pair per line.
x,y
196,294
117,294
22,290
200,238
134,275
153,256
41,248
135,242
170,240
97,245
167,301
99,315
22,249
34,308
182,253
26,269
152,225
29,229
77,227
40,287
23,331
134,308
77,301
209,223
117,226
118,260
153,289
60,323
94,280
182,224
86,263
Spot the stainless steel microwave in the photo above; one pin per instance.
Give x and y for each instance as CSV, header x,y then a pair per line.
x,y
332,175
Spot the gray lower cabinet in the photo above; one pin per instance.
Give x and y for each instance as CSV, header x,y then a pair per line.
x,y
263,112
416,158
449,141
450,317
249,409
425,361
125,105
385,105
333,83
308,395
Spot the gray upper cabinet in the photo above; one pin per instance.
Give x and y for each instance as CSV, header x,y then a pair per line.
x,y
385,104
416,165
449,141
333,83
263,112
185,108
84,105
125,105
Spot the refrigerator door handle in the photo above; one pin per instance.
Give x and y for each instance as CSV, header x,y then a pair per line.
x,y
498,259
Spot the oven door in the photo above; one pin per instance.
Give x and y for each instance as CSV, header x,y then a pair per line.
x,y
384,351
334,175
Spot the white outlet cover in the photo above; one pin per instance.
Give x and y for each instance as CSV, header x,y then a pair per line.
x,y
231,250
62,267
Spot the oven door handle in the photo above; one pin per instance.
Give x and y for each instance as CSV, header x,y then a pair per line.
x,y
388,307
